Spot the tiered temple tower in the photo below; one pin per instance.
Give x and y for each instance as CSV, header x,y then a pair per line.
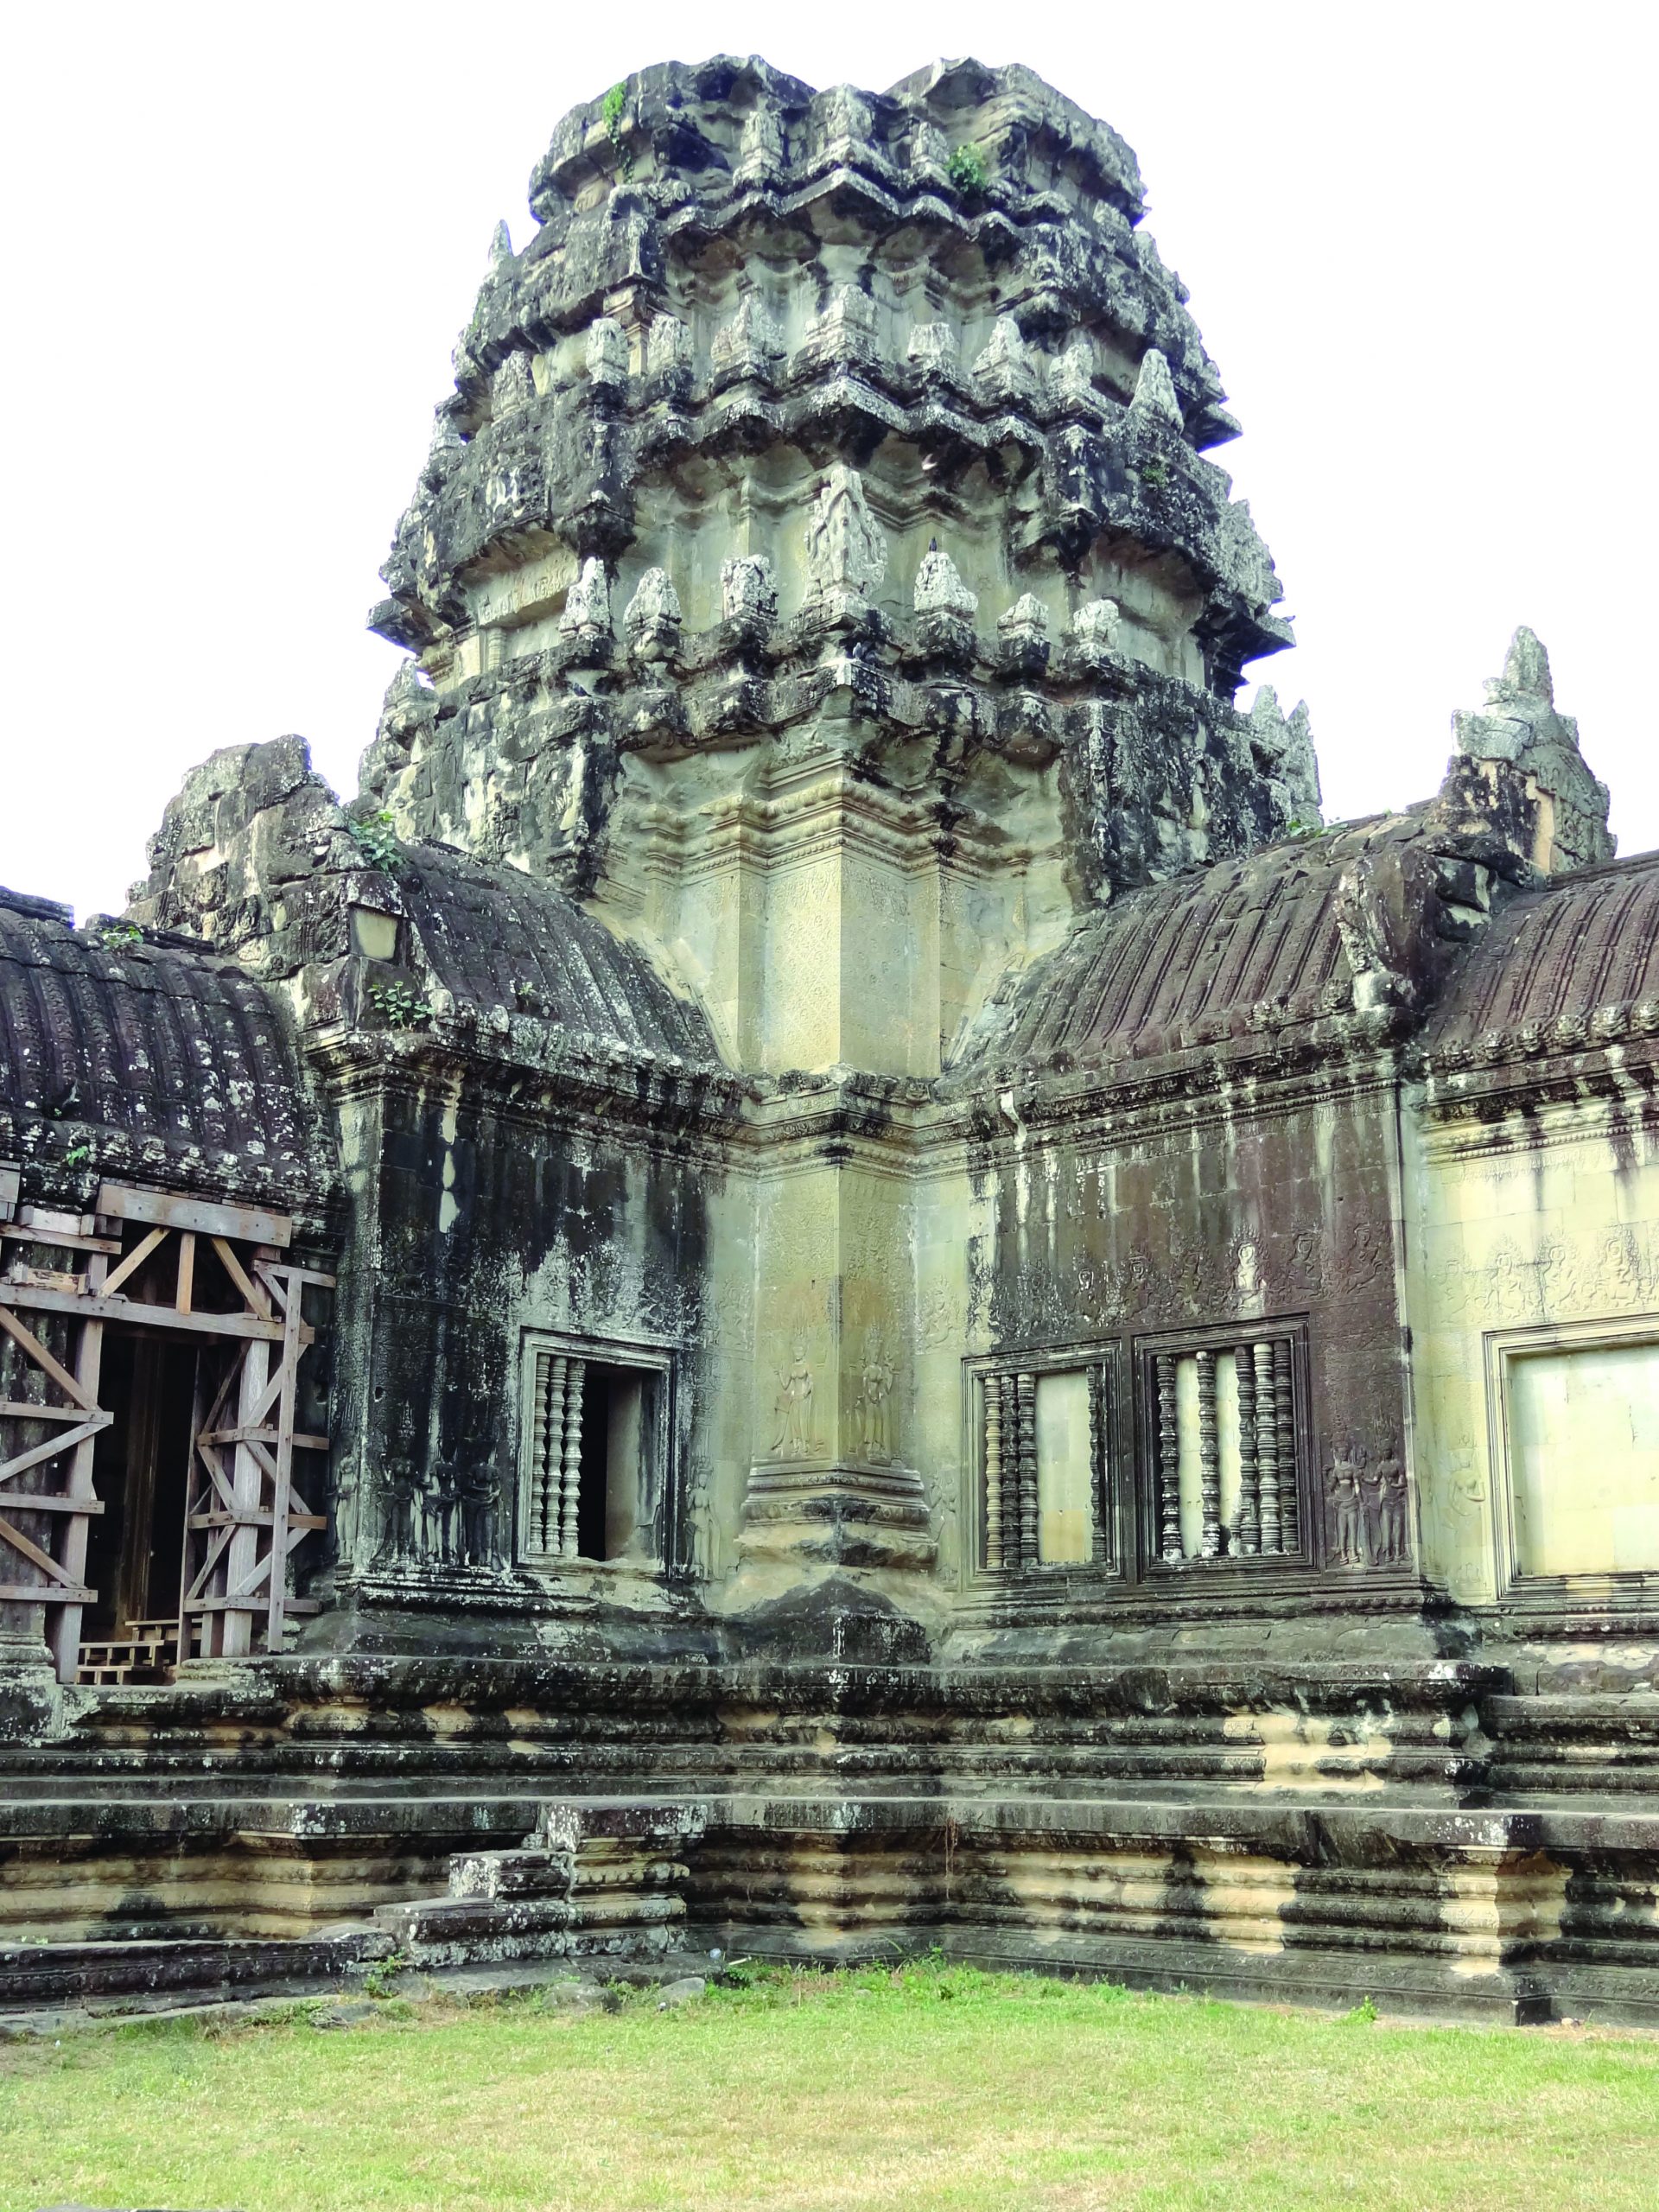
x,y
826,1239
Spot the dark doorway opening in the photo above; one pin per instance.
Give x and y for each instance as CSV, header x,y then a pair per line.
x,y
618,1452
135,1547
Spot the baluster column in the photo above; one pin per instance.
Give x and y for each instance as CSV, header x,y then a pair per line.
x,y
571,1485
1169,1460
1249,1498
1025,1402
1100,1543
1267,1447
993,1472
1285,1433
1209,1458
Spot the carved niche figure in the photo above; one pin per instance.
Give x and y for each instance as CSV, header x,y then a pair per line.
x,y
1389,1481
932,347
846,547
476,1495
939,589
1343,1487
606,352
795,1409
748,592
651,619
877,1437
587,604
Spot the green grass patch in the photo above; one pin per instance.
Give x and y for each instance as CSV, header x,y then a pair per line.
x,y
919,2086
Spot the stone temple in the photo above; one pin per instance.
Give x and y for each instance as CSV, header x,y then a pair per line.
x,y
827,1277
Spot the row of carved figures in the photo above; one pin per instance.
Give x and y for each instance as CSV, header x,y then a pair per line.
x,y
1007,372
838,124
846,561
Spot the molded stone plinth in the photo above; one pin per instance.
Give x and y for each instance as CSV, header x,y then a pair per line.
x,y
840,1516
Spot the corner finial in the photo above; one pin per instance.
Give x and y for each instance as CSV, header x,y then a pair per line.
x,y
1154,389
1526,667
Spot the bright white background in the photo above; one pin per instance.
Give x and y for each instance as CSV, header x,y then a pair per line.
x,y
238,242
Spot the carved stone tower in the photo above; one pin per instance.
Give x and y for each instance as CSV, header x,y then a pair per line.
x,y
818,573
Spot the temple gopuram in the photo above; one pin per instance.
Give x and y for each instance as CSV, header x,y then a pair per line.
x,y
827,1277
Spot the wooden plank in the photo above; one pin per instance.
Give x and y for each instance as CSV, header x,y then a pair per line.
x,y
33,1501
21,1234
38,1352
25,1409
130,1310
233,1268
52,1445
250,1223
28,1549
240,1603
41,1593
261,1520
51,1220
64,1635
186,1282
135,1260
302,1442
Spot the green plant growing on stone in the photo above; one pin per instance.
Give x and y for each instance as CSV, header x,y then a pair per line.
x,y
1155,475
967,171
116,935
378,1979
77,1155
1362,2016
611,114
400,1008
375,836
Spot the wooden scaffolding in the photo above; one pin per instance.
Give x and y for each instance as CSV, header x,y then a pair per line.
x,y
132,1263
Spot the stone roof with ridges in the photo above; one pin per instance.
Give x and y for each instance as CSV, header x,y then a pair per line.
x,y
495,937
1250,947
1583,950
148,1059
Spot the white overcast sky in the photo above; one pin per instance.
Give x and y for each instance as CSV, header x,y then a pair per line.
x,y
239,241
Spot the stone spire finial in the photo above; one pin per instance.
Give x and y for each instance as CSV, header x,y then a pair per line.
x,y
1283,746
1519,724
940,590
1526,670
501,246
1154,391
1095,627
748,592
587,604
605,352
651,621
846,547
934,348
751,342
1003,370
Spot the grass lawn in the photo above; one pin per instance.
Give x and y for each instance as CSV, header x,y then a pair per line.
x,y
918,2087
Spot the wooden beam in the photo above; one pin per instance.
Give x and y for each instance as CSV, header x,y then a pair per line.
x,y
250,1223
131,1309
31,1502
254,1294
262,1520
135,1260
31,1551
186,1282
41,1593
23,1409
37,1351
23,1232
52,1445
